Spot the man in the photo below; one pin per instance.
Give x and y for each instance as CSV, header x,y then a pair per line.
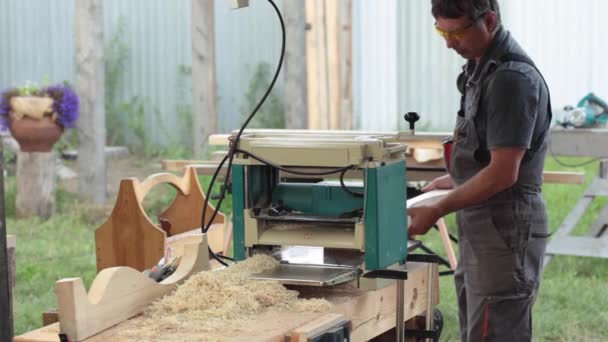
x,y
495,171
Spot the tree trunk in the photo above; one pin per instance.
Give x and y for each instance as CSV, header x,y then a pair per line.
x,y
296,109
35,184
204,104
90,85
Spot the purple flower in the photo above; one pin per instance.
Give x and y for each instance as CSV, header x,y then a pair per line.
x,y
5,106
65,104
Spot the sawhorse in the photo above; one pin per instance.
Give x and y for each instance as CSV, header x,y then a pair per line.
x,y
595,242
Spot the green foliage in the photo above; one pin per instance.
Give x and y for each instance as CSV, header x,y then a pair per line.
x,y
272,113
47,251
126,122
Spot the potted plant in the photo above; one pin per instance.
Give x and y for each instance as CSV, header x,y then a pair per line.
x,y
36,117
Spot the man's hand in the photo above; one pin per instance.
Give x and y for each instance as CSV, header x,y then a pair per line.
x,y
422,219
440,183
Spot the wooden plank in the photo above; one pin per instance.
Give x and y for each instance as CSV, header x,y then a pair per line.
x,y
219,139
204,99
312,63
334,56
316,327
49,333
580,142
579,246
427,198
447,244
118,294
346,59
296,106
560,177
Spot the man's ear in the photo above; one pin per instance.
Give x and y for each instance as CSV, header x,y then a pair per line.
x,y
491,21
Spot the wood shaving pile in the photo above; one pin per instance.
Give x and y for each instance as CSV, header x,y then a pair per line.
x,y
218,302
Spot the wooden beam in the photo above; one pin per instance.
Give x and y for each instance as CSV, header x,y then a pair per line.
x,y
296,110
561,177
346,61
90,82
204,103
334,57
316,57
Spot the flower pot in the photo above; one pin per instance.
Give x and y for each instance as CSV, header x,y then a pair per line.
x,y
35,135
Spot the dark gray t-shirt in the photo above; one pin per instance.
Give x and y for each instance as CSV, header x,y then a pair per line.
x,y
513,108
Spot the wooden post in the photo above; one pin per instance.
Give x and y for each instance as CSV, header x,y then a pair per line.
x,y
316,46
35,184
204,103
329,63
346,64
90,88
296,109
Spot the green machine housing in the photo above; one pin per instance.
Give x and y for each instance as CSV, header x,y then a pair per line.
x,y
274,208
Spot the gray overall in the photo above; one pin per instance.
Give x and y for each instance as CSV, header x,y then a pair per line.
x,y
505,103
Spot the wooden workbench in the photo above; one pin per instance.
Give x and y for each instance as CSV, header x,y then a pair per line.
x,y
371,313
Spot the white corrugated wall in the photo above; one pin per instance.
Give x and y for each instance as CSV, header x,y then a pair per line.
x,y
568,42
37,42
375,89
564,37
399,62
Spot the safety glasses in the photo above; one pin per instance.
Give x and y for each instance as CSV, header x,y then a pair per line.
x,y
461,32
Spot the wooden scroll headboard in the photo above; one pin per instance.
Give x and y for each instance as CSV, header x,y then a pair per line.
x,y
129,238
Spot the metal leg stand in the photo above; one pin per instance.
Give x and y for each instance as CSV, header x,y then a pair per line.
x,y
400,309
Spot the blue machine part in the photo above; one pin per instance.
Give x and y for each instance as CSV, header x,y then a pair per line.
x,y
591,111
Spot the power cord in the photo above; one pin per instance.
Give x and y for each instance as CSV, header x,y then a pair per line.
x,y
345,188
234,145
296,172
564,164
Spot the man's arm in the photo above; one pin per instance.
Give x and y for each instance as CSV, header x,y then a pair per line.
x,y
499,175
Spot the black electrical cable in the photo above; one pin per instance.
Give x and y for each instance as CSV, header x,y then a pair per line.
x,y
295,172
345,188
564,164
235,142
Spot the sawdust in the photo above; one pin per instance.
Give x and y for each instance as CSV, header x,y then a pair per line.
x,y
218,303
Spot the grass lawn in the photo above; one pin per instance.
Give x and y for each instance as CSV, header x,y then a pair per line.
x,y
571,306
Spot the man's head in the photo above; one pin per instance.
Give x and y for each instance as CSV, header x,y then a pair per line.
x,y
468,26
